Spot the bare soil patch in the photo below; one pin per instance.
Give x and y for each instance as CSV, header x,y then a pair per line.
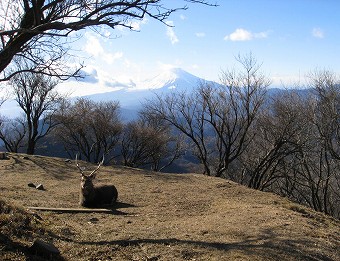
x,y
160,217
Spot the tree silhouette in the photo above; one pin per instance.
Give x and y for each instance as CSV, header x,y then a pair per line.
x,y
37,31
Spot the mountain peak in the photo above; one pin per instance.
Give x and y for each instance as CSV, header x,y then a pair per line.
x,y
178,71
172,78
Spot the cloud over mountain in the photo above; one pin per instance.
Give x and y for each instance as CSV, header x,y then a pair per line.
x,y
134,93
89,76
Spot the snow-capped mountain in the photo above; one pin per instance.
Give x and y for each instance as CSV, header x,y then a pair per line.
x,y
130,94
174,78
171,80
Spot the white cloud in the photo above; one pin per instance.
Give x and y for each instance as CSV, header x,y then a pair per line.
x,y
111,57
183,17
171,33
90,75
161,66
119,85
166,66
106,33
241,34
93,46
318,33
260,35
135,24
201,34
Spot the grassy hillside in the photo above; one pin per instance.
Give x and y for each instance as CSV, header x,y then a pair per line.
x,y
158,217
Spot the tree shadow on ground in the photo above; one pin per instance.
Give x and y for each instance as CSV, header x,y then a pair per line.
x,y
57,169
264,245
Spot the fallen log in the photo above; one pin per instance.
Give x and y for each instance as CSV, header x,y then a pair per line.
x,y
75,210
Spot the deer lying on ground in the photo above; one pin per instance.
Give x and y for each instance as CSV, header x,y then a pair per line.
x,y
95,196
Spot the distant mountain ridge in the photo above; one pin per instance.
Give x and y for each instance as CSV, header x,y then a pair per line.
x,y
130,96
172,80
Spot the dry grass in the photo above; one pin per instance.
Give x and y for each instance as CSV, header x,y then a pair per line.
x,y
161,217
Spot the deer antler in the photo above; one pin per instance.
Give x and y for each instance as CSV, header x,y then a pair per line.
x,y
77,164
100,163
93,172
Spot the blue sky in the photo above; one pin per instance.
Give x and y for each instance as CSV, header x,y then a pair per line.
x,y
290,38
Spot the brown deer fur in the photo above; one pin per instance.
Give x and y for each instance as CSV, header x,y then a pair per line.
x,y
95,196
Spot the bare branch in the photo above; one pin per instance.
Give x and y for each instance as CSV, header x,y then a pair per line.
x,y
27,24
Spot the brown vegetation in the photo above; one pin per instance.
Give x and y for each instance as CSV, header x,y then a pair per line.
x,y
157,217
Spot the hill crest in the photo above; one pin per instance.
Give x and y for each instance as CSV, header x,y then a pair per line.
x,y
169,216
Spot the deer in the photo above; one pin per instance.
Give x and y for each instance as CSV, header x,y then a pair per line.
x,y
95,196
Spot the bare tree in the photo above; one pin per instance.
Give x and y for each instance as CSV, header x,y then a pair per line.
x,y
3,98
321,164
13,133
279,131
216,119
184,113
89,127
138,144
36,97
37,31
234,108
291,154
327,111
171,142
148,143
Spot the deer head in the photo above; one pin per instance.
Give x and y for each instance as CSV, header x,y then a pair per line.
x,y
86,180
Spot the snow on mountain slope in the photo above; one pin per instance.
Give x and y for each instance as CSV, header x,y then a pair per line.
x,y
170,79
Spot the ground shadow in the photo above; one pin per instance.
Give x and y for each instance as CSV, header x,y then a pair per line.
x,y
118,205
58,170
108,209
8,246
267,244
123,205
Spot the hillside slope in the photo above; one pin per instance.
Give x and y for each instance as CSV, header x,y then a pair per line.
x,y
166,216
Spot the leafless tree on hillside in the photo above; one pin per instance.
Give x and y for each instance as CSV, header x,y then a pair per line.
x,y
184,113
91,128
13,133
327,111
216,119
304,167
150,143
38,100
279,131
